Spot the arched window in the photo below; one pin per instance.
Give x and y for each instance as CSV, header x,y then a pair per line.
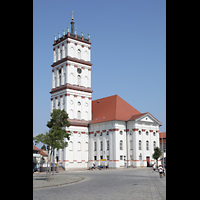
x,y
154,144
64,77
79,54
72,51
131,145
140,145
86,56
79,80
147,145
95,146
79,115
56,55
61,54
79,146
55,81
71,146
107,144
59,80
71,114
86,82
65,51
86,146
71,78
121,145
101,145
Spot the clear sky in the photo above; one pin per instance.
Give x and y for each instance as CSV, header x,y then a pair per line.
x,y
128,51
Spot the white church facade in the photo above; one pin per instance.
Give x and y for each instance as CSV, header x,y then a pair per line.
x,y
106,131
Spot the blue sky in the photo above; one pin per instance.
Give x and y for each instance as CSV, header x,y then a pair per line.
x,y
128,51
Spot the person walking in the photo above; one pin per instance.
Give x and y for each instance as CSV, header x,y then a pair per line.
x,y
160,169
154,167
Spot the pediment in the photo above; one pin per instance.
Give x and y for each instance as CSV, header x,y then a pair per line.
x,y
147,117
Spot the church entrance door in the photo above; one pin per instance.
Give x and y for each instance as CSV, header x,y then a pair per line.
x,y
148,159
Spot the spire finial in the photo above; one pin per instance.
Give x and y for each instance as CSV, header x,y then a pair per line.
x,y
72,23
72,15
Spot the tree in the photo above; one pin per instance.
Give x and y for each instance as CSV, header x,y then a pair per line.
x,y
55,138
43,147
157,154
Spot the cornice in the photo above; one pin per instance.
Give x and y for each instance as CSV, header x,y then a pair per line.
x,y
73,37
73,87
71,59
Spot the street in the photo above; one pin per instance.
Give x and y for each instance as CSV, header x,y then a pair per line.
x,y
117,184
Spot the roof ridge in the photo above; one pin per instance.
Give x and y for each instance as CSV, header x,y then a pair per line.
x,y
104,97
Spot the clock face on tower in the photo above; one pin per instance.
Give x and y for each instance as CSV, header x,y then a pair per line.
x,y
79,70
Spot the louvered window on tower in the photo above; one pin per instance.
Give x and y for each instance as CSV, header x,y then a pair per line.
x,y
79,54
79,80
79,115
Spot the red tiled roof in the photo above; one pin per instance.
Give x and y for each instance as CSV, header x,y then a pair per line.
x,y
35,148
112,108
133,117
162,133
43,153
40,150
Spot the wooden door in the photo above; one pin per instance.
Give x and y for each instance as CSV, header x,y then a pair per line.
x,y
148,161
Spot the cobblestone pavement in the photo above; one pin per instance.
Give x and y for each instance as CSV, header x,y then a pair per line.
x,y
122,184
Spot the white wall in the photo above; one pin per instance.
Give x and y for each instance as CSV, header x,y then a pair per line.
x,y
114,140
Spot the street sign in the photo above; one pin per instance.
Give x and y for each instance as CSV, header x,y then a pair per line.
x,y
103,159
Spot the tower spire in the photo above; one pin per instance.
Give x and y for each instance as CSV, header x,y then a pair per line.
x,y
72,23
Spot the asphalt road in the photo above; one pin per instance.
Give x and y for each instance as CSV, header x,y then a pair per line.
x,y
123,184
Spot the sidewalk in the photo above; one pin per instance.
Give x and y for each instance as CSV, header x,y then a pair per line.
x,y
40,180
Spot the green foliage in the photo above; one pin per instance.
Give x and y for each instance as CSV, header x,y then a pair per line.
x,y
43,147
157,153
55,136
58,119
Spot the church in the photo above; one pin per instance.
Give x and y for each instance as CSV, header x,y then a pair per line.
x,y
107,131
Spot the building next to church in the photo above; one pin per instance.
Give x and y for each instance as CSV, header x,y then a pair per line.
x,y
107,128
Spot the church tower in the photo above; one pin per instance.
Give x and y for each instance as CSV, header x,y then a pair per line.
x,y
71,91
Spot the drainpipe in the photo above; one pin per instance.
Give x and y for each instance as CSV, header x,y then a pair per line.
x,y
126,144
89,149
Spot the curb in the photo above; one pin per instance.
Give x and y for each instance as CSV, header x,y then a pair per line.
x,y
57,185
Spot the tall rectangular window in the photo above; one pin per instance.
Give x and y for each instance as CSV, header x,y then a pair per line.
x,y
147,145
101,145
95,146
121,145
140,145
60,54
107,145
